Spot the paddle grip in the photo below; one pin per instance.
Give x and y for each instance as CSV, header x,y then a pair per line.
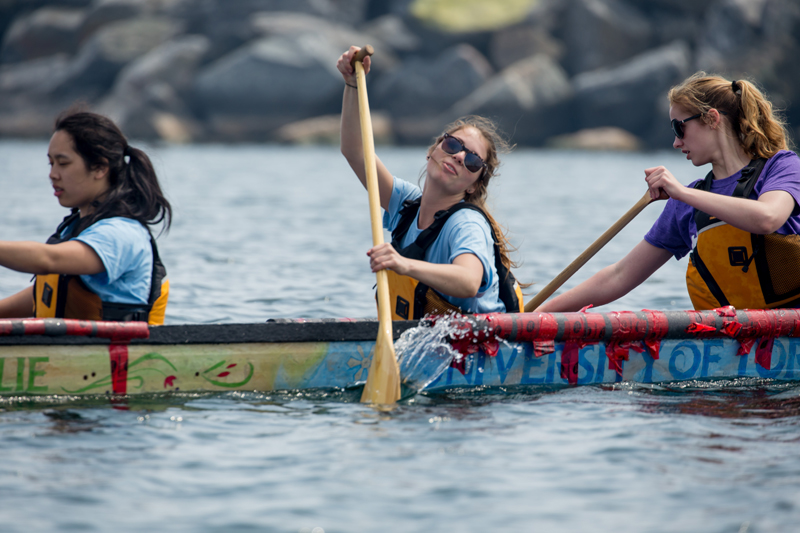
x,y
365,51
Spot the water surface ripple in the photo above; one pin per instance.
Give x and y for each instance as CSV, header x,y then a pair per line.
x,y
270,231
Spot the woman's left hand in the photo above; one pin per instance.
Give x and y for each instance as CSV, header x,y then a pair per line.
x,y
385,256
662,183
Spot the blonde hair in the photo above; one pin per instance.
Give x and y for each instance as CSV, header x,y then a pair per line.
x,y
760,129
496,144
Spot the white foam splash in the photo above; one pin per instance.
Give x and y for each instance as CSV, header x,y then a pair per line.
x,y
424,353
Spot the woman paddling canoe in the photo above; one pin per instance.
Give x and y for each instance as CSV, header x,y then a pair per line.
x,y
101,263
447,252
740,224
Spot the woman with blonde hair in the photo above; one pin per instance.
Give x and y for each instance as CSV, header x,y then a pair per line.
x,y
740,224
447,252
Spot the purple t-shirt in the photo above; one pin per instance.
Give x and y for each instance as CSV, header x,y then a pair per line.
x,y
675,229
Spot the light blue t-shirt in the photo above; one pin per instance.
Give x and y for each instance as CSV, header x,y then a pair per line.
x,y
466,231
123,246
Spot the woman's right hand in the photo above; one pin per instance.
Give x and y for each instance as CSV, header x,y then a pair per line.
x,y
384,256
345,67
662,184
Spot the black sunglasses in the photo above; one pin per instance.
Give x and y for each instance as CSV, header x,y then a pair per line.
x,y
452,146
677,125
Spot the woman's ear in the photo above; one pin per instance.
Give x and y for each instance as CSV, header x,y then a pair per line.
x,y
713,118
101,172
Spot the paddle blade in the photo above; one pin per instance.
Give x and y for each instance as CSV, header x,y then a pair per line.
x,y
383,381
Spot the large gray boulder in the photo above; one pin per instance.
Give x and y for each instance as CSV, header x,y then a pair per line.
x,y
36,78
684,8
44,32
538,34
420,87
111,48
154,86
227,22
337,37
521,41
104,12
286,74
600,33
756,39
734,28
528,100
631,95
268,83
392,30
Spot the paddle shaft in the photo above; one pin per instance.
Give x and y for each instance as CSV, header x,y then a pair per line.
x,y
587,254
383,381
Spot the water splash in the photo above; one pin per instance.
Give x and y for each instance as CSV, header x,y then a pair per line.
x,y
424,351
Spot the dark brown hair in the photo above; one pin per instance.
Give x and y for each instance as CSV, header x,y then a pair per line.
x,y
760,129
134,191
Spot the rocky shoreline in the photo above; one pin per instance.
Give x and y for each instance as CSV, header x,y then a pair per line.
x,y
566,73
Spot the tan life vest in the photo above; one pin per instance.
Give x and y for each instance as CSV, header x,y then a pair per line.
x,y
730,266
411,299
66,296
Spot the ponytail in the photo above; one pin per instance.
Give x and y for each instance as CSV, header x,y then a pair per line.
x,y
760,129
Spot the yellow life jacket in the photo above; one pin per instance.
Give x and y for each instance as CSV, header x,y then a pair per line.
x,y
730,266
412,299
66,296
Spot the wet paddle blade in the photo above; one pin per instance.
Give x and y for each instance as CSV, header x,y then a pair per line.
x,y
383,381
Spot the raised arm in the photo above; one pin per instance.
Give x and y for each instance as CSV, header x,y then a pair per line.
x,y
351,143
612,282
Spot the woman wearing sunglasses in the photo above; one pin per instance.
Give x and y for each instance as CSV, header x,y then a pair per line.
x,y
447,252
739,225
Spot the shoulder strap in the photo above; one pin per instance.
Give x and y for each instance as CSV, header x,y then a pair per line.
x,y
417,249
159,273
705,184
56,237
407,214
744,187
750,175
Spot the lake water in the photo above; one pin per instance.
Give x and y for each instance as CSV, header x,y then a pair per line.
x,y
273,231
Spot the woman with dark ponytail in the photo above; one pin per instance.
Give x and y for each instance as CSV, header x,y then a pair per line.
x,y
102,262
740,225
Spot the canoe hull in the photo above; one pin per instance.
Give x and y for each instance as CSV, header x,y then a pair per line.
x,y
300,354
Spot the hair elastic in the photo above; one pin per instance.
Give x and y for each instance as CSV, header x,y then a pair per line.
x,y
734,86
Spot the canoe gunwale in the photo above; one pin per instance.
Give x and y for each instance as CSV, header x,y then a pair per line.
x,y
521,327
278,331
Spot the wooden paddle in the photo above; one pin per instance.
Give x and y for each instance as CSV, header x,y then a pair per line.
x,y
383,381
587,254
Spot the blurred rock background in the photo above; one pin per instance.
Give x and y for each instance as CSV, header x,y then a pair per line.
x,y
591,73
